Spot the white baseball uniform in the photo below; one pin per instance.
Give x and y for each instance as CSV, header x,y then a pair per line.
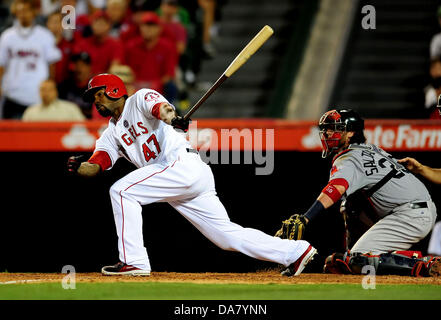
x,y
170,171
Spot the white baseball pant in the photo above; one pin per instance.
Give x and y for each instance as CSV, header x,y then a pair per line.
x,y
188,185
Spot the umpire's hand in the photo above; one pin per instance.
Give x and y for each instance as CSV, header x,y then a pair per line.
x,y
73,163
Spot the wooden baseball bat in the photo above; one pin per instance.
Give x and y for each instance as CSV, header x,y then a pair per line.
x,y
240,59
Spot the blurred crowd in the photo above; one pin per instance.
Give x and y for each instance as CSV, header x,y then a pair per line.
x,y
433,89
49,49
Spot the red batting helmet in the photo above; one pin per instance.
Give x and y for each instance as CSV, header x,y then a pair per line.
x,y
113,85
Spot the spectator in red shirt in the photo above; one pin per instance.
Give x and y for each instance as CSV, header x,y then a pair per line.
x,y
171,27
120,18
103,50
53,23
152,58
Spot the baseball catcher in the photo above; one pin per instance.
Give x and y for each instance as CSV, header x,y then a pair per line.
x,y
373,187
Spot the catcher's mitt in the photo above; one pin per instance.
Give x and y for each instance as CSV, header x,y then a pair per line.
x,y
292,228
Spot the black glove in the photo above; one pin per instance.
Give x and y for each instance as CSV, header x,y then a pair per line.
x,y
292,228
180,123
73,163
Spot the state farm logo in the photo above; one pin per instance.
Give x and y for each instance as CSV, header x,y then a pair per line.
x,y
406,137
78,137
400,137
151,96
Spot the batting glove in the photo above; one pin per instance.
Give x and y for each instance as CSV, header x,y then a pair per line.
x,y
179,123
73,163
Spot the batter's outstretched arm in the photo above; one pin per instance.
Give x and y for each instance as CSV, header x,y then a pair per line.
x,y
87,169
90,168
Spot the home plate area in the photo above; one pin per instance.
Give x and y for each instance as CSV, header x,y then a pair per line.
x,y
264,277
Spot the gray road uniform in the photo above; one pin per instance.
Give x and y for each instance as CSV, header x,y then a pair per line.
x,y
403,204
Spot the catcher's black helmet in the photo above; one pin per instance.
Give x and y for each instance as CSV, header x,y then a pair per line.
x,y
343,120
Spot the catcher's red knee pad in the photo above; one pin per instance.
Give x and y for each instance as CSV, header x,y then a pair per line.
x,y
428,266
337,263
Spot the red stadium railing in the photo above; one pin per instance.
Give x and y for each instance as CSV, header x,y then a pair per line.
x,y
224,134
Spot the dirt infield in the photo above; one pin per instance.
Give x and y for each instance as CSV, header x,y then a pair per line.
x,y
264,277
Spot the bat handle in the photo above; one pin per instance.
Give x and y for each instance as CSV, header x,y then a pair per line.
x,y
213,88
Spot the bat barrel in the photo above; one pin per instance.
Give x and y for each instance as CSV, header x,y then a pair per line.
x,y
249,50
240,59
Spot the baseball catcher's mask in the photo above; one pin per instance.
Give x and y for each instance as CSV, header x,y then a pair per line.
x,y
333,124
113,85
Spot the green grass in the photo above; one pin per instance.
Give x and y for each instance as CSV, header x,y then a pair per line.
x,y
188,291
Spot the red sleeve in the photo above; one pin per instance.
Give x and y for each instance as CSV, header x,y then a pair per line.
x,y
101,158
339,182
332,192
155,110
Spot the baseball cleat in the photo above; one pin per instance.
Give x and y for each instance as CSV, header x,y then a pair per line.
x,y
122,269
297,266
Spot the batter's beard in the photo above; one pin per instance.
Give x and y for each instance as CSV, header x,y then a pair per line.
x,y
103,111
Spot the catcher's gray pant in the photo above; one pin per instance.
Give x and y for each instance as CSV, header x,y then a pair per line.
x,y
188,185
398,231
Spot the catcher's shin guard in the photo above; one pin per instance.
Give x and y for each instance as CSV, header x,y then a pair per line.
x,y
404,263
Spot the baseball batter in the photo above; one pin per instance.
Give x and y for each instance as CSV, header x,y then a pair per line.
x,y
142,130
404,211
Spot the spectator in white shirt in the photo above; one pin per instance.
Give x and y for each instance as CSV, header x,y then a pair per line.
x,y
27,56
51,108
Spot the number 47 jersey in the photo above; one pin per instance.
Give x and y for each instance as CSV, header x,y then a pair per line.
x,y
139,135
